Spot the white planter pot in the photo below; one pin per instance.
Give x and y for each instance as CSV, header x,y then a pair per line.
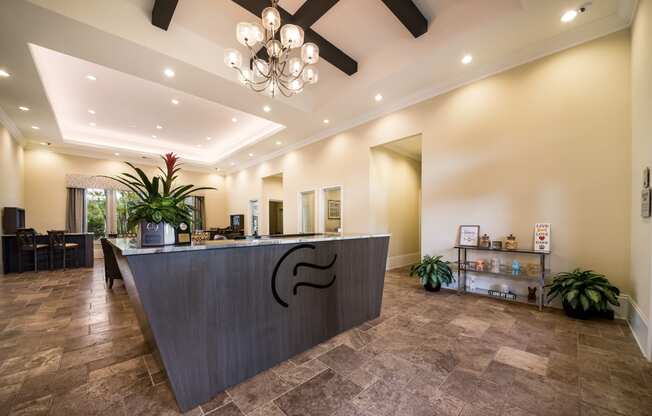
x,y
153,235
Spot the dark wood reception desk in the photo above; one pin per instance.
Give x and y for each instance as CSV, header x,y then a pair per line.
x,y
80,257
220,312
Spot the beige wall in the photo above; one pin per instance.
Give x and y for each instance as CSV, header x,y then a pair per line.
x,y
641,229
547,141
12,173
45,186
395,196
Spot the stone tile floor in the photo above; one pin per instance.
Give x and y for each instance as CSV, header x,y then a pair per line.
x,y
69,346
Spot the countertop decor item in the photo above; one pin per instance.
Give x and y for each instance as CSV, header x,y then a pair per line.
x,y
279,72
496,245
433,271
542,237
485,241
516,267
160,205
511,243
583,293
469,235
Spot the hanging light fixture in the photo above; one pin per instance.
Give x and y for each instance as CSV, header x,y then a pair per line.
x,y
281,71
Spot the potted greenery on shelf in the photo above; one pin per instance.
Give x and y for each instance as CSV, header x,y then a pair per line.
x,y
584,293
433,271
160,205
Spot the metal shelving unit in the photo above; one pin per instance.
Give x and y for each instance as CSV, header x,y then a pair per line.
x,y
463,269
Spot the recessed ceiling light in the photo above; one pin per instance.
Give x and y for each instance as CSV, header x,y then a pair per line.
x,y
378,97
175,101
279,143
569,16
92,124
467,59
91,112
168,72
117,154
23,108
209,138
159,127
4,73
36,128
232,163
235,120
91,77
326,121
154,136
251,155
267,109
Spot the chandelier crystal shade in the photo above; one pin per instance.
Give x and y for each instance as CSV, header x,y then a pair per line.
x,y
281,72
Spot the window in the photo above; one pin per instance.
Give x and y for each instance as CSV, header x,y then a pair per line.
x,y
123,199
96,212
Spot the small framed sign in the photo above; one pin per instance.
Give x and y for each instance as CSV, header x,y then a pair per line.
x,y
334,209
646,195
183,236
469,235
542,237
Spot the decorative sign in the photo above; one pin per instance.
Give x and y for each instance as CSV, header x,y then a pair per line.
x,y
469,235
503,295
334,209
183,236
645,203
542,237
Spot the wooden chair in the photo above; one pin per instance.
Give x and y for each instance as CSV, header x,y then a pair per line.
x,y
58,243
111,270
26,242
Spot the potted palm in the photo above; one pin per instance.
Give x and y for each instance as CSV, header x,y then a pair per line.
x,y
584,293
159,204
433,271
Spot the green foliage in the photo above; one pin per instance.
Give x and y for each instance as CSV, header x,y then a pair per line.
x,y
157,200
584,289
96,212
124,199
433,270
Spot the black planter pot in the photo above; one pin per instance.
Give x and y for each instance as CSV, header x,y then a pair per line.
x,y
430,288
576,313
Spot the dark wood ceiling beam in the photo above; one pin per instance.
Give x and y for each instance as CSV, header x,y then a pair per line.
x,y
410,15
162,13
327,50
311,11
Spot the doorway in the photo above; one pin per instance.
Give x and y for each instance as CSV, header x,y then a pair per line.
x,y
332,209
253,210
307,214
275,217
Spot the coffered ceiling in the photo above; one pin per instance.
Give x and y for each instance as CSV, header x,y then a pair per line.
x,y
50,46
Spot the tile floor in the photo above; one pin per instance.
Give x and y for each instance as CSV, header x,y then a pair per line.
x,y
69,346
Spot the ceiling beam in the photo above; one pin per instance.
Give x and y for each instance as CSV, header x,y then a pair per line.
x,y
162,13
408,13
327,50
311,11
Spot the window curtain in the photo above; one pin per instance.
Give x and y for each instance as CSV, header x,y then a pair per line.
x,y
199,213
111,212
76,210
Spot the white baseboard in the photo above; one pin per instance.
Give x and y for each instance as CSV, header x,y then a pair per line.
x,y
402,260
638,324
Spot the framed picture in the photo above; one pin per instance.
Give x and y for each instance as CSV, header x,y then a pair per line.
x,y
333,210
469,235
646,178
542,237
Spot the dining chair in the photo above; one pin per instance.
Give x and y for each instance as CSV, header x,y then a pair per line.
x,y
26,243
58,243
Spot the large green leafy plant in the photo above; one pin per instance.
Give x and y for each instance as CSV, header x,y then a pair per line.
x,y
158,199
433,271
583,292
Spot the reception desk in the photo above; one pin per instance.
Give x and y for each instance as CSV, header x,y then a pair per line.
x,y
80,257
220,312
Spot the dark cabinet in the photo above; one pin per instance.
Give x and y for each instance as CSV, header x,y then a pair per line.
x,y
12,218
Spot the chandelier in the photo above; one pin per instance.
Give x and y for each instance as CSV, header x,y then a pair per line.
x,y
281,71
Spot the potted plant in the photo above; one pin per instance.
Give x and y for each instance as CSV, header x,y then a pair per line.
x,y
584,293
159,205
433,271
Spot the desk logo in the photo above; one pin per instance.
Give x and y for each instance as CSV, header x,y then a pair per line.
x,y
295,271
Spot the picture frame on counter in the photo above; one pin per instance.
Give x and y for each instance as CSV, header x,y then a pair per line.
x,y
542,237
469,236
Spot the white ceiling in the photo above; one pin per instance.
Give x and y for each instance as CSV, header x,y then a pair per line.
x,y
116,39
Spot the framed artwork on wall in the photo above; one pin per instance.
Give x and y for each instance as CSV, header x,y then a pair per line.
x,y
469,236
334,209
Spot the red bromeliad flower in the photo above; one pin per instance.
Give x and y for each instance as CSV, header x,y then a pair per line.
x,y
170,162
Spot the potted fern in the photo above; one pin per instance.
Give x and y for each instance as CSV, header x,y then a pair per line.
x,y
584,293
159,206
433,271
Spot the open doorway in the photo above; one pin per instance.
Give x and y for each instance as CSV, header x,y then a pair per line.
x,y
307,212
253,210
272,191
332,209
396,198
